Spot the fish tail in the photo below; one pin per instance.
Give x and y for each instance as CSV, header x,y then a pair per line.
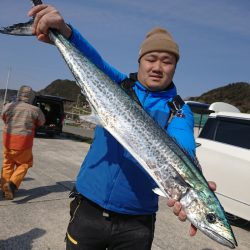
x,y
21,29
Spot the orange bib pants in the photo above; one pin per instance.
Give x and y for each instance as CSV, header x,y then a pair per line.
x,y
15,165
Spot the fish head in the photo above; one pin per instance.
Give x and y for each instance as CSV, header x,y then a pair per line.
x,y
205,212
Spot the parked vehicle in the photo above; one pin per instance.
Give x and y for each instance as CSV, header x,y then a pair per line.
x,y
53,109
224,153
201,112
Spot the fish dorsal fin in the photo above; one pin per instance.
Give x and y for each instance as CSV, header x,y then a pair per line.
x,y
194,159
197,170
92,118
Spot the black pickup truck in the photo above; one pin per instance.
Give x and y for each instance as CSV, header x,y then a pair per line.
x,y
53,109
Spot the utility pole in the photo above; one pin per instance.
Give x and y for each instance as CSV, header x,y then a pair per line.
x,y
6,87
77,100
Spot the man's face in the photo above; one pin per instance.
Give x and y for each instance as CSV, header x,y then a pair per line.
x,y
156,70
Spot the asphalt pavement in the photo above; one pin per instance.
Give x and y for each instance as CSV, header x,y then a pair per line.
x,y
38,216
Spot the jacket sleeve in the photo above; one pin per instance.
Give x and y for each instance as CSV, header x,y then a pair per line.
x,y
181,128
3,116
4,111
91,53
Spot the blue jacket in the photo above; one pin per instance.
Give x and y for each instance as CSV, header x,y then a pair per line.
x,y
109,175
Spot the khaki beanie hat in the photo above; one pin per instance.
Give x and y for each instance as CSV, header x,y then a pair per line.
x,y
159,39
25,94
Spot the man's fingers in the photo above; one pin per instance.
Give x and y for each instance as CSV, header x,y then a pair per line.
x,y
171,202
39,12
177,208
193,230
212,185
36,9
182,216
44,38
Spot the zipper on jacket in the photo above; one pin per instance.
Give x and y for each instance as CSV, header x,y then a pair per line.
x,y
145,97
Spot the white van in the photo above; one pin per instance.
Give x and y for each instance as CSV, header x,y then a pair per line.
x,y
224,154
201,112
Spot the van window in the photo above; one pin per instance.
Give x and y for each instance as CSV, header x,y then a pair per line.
x,y
209,128
200,112
234,133
231,131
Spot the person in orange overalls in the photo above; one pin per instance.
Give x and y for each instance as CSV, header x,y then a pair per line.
x,y
20,119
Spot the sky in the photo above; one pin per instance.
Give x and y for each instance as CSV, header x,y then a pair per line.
x,y
213,36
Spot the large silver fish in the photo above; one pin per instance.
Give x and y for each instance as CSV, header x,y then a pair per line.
x,y
176,174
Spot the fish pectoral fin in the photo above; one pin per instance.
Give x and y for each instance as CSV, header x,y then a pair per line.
x,y
19,29
159,192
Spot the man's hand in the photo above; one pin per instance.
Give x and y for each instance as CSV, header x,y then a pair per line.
x,y
178,211
46,17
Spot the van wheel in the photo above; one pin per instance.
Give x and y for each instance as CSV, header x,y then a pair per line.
x,y
51,135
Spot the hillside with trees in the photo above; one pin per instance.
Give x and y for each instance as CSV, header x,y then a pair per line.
x,y
237,94
64,88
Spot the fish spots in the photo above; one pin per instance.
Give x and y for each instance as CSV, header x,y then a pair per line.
x,y
152,166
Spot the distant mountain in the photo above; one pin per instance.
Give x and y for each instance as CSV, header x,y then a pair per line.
x,y
237,94
67,89
64,88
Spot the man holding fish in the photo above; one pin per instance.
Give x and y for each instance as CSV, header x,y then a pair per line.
x,y
115,197
113,206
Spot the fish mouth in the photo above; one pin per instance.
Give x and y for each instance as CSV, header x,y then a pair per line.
x,y
224,241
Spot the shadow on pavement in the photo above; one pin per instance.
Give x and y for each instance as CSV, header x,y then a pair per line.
x,y
23,241
28,179
33,193
67,136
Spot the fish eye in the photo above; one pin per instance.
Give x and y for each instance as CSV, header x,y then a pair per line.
x,y
211,218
